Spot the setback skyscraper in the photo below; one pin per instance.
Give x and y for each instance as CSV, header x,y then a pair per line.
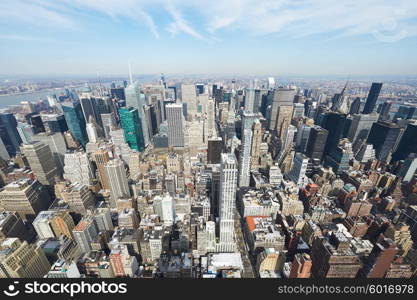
x,y
228,185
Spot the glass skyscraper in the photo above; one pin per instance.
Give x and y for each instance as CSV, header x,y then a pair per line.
x,y
134,99
131,124
372,98
75,121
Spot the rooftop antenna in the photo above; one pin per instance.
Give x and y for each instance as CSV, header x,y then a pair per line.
x,y
130,73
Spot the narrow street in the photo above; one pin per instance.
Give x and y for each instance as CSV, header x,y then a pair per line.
x,y
248,269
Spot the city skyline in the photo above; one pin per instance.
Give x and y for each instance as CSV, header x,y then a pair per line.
x,y
42,37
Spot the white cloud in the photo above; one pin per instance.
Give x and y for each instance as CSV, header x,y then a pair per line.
x,y
179,24
206,18
33,13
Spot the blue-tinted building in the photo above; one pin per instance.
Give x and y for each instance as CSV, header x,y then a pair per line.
x,y
75,120
9,134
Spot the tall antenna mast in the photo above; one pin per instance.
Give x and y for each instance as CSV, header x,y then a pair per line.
x,y
130,73
99,83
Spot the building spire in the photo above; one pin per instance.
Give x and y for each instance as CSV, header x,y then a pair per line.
x,y
344,88
130,73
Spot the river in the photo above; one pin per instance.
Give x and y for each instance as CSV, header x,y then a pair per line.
x,y
7,100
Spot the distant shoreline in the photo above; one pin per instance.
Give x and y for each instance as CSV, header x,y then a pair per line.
x,y
31,92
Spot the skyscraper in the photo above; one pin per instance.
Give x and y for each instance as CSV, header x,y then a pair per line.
x,y
75,121
78,197
355,106
92,133
25,196
408,143
334,123
385,110
256,144
109,121
41,162
249,100
316,142
22,260
372,98
101,158
281,98
383,136
85,232
8,133
78,168
298,171
245,158
131,124
214,151
189,96
228,185
175,122
360,126
134,99
116,174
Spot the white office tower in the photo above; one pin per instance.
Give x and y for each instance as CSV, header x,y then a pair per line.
x,y
245,157
42,224
275,175
298,171
365,153
211,236
249,99
84,233
211,125
109,122
135,99
271,83
92,132
175,120
189,96
228,185
64,269
103,220
288,141
168,209
78,168
116,173
121,148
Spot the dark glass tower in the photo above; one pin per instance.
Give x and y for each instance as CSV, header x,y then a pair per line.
x,y
372,98
334,123
8,133
355,107
316,142
383,136
408,143
75,121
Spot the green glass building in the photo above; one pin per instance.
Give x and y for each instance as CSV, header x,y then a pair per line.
x,y
132,126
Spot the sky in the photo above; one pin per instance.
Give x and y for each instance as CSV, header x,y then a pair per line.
x,y
233,37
